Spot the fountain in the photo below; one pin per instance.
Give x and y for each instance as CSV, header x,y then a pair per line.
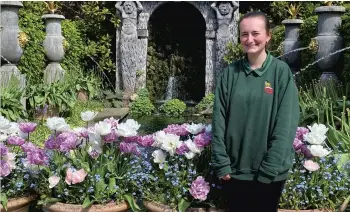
x,y
171,89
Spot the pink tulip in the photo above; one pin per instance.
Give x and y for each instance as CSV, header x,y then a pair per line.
x,y
311,166
74,177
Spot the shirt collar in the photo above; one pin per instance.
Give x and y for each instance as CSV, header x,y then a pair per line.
x,y
259,71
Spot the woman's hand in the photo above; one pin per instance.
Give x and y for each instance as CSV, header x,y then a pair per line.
x,y
226,177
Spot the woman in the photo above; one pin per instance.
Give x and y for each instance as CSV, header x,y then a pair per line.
x,y
256,113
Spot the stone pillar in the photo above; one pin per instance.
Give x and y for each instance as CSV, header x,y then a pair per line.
x,y
209,61
291,42
53,45
329,40
12,41
142,33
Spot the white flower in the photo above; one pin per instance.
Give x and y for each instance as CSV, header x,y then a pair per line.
x,y
103,128
12,129
159,138
193,147
128,129
208,128
170,143
189,155
95,139
4,123
11,159
314,138
311,165
158,156
23,135
195,128
320,129
318,150
88,115
53,180
57,124
3,137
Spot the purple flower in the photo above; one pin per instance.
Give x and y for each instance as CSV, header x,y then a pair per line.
x,y
15,140
110,137
146,140
301,131
94,154
182,149
202,139
129,148
200,188
131,139
297,144
112,121
51,143
5,168
37,157
27,127
67,141
3,149
27,147
306,151
176,129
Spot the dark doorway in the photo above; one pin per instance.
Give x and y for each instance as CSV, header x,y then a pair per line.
x,y
176,52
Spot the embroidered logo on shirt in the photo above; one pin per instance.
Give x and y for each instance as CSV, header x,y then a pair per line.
x,y
268,89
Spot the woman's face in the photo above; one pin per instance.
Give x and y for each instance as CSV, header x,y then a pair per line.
x,y
253,35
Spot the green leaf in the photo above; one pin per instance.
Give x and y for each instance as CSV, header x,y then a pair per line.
x,y
130,199
3,200
183,205
87,203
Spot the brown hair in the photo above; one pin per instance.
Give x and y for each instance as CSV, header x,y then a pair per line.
x,y
257,14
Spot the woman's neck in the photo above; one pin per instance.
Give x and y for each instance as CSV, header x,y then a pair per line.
x,y
256,60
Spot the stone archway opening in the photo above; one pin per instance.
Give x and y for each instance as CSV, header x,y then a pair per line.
x,y
176,52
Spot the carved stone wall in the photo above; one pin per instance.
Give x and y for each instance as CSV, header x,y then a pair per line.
x,y
134,55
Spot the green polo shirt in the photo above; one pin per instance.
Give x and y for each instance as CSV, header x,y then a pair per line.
x,y
255,117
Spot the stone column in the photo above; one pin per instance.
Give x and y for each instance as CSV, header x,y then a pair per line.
x,y
12,41
142,33
209,61
329,40
53,45
291,42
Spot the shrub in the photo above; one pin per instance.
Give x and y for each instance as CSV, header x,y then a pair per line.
x,y
142,105
205,103
234,52
173,107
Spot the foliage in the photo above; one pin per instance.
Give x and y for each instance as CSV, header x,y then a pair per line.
x,y
142,106
277,39
41,134
110,98
345,74
74,119
206,103
58,95
293,10
173,107
276,13
234,52
33,60
10,101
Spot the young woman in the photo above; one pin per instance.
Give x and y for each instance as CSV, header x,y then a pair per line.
x,y
256,113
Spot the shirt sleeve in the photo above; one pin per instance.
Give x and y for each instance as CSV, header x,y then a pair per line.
x,y
220,160
283,134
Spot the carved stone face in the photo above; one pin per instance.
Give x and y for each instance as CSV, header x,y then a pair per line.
x,y
129,7
224,8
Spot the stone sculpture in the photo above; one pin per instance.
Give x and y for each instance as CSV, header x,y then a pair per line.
x,y
129,43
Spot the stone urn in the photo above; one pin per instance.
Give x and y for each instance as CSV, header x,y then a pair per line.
x,y
20,204
64,207
12,40
291,42
329,40
53,46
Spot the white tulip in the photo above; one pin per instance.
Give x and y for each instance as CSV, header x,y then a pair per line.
x,y
158,156
3,137
103,128
23,135
318,151
195,128
11,159
170,143
4,123
88,115
53,180
12,129
57,124
320,129
208,128
128,129
314,138
189,155
193,147
159,138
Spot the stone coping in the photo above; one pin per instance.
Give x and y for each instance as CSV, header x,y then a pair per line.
x,y
52,16
292,21
325,9
11,3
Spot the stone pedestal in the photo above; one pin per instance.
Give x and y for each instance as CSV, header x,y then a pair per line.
x,y
291,42
53,45
329,40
